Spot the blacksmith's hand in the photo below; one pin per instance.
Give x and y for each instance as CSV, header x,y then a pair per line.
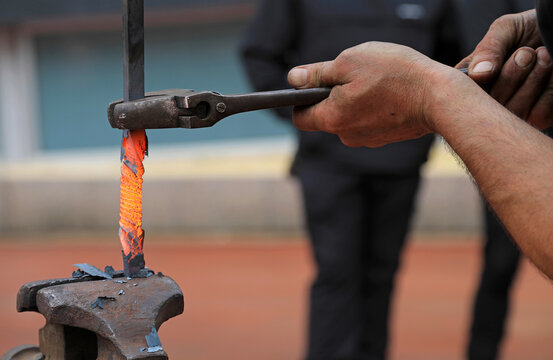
x,y
516,68
382,93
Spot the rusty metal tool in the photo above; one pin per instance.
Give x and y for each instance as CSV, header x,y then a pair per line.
x,y
123,328
190,109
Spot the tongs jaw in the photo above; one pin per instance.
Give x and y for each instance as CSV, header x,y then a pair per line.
x,y
191,110
157,110
203,109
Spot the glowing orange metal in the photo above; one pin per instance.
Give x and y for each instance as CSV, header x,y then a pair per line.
x,y
131,234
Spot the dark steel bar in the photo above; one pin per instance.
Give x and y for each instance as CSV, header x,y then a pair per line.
x,y
133,50
132,237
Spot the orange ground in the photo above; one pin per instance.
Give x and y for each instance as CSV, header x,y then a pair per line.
x,y
247,301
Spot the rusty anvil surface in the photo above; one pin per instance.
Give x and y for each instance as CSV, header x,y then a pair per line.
x,y
118,330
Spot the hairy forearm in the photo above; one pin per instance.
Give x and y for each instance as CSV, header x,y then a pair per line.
x,y
511,162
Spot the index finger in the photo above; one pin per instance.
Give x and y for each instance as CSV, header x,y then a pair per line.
x,y
506,34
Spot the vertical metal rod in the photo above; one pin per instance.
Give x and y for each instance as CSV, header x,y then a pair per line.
x,y
135,143
133,53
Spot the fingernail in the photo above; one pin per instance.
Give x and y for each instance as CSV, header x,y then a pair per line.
x,y
482,67
543,57
523,58
298,77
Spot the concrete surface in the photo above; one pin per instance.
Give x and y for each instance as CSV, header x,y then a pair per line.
x,y
445,204
223,187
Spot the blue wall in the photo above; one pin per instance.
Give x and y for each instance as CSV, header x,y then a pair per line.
x,y
79,74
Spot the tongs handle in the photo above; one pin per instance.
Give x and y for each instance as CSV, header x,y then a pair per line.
x,y
273,99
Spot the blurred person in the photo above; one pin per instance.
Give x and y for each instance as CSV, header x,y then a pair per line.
x,y
500,254
358,202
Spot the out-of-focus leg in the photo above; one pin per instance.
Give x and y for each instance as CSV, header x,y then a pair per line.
x,y
501,259
389,207
333,207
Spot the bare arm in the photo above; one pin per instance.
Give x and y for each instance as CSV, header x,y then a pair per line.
x,y
384,93
511,162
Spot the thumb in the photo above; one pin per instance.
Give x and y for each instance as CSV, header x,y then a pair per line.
x,y
314,75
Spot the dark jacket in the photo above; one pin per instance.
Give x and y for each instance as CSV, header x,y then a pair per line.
x,y
285,33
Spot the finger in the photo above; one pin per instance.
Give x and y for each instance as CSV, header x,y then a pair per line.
x,y
314,75
513,74
487,59
530,91
541,115
321,116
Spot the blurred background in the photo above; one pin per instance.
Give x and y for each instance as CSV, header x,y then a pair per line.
x,y
61,65
221,214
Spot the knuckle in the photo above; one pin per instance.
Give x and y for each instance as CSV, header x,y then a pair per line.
x,y
317,76
346,54
501,31
503,21
346,57
496,24
507,18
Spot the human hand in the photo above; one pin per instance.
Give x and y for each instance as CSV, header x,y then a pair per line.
x,y
515,69
380,94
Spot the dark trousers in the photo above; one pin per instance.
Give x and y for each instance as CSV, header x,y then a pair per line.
x,y
501,259
357,224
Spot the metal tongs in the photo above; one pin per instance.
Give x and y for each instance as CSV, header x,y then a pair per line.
x,y
190,109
